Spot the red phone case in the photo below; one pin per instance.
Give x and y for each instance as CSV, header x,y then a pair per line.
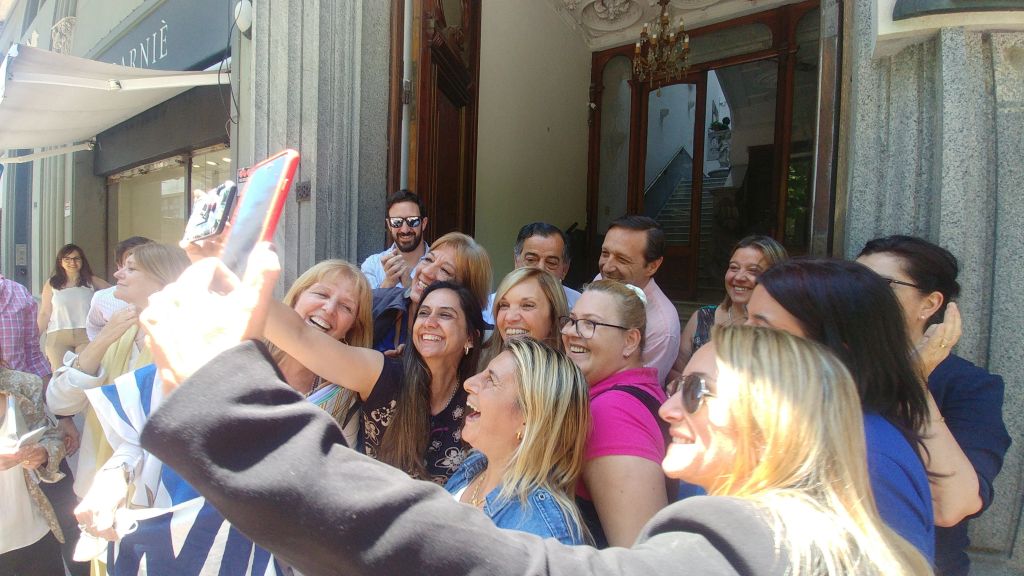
x,y
259,207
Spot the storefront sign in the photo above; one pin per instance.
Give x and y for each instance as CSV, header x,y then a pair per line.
x,y
912,8
176,35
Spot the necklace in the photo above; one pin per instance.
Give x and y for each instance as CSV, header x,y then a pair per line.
x,y
475,498
455,390
731,322
317,382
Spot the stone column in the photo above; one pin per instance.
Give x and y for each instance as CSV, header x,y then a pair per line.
x,y
319,77
936,149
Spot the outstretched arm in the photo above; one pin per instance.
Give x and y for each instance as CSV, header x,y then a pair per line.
x,y
277,467
256,442
354,368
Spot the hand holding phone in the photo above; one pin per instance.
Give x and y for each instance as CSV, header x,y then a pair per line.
x,y
210,212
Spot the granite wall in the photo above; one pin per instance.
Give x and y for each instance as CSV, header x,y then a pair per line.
x,y
935,147
317,71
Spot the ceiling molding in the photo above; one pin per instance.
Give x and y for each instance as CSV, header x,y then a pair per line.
x,y
608,23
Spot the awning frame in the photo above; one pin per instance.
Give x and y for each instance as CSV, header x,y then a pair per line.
x,y
88,97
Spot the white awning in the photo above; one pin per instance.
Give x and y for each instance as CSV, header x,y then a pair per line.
x,y
50,99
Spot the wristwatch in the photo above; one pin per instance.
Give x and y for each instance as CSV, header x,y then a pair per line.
x,y
128,471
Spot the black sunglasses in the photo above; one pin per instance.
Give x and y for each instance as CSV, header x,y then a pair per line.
x,y
412,221
694,391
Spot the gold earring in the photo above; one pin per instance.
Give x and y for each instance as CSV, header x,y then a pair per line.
x,y
519,435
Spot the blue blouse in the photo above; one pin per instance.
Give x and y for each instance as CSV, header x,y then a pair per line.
x,y
971,401
900,483
542,515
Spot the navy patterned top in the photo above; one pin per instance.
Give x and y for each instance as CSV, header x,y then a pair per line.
x,y
445,449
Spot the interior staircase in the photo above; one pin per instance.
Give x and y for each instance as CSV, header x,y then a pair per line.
x,y
674,218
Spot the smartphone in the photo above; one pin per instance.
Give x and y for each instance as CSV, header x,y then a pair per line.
x,y
211,212
259,207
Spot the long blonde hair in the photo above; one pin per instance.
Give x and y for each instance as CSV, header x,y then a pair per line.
x,y
552,289
800,454
553,399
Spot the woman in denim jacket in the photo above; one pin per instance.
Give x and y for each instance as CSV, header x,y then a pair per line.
x,y
528,418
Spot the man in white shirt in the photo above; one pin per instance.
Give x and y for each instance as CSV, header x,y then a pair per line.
x,y
406,225
103,304
543,246
632,252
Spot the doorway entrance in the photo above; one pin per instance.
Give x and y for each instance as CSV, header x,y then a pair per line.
x,y
722,153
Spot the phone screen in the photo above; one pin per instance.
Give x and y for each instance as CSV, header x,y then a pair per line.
x,y
259,208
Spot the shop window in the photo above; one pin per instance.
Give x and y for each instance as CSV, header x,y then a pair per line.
x,y
154,200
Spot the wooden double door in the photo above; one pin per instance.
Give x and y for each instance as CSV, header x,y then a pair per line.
x,y
721,153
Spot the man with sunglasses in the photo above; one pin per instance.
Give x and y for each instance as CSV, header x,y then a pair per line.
x,y
406,224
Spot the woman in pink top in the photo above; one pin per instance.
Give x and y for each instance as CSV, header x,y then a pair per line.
x,y
623,484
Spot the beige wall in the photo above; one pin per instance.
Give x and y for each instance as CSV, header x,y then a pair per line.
x,y
532,147
96,20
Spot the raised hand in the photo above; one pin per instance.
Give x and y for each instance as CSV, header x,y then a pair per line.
x,y
395,269
192,320
939,339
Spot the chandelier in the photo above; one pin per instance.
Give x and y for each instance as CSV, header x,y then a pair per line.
x,y
661,53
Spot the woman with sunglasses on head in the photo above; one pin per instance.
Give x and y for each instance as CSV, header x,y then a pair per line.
x,y
64,304
623,485
454,257
850,309
528,302
528,419
750,257
413,406
791,503
965,436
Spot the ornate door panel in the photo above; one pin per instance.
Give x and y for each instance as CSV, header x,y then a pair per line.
x,y
443,159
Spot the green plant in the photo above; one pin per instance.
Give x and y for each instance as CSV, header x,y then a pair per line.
x,y
721,125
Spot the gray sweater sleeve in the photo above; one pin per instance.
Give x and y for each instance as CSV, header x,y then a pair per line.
x,y
277,468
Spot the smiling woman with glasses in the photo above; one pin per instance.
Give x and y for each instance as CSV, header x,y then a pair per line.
x,y
623,485
64,304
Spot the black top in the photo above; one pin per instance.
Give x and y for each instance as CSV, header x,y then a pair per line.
x,y
445,449
277,468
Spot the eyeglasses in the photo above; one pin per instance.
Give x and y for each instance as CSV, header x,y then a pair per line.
x,y
412,222
694,391
71,259
585,328
892,281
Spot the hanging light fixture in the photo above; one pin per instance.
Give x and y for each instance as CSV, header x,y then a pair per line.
x,y
661,52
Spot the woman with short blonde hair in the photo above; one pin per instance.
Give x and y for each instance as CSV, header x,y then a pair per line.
x,y
335,297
